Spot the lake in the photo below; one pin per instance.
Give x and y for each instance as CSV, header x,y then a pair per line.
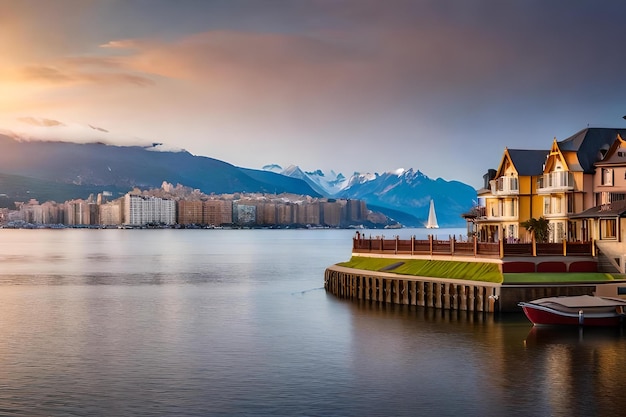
x,y
236,322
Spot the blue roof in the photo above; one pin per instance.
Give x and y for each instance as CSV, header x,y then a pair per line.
x,y
528,162
588,143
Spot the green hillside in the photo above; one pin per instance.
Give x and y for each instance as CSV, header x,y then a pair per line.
x,y
17,188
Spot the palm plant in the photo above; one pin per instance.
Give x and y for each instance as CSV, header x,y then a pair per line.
x,y
539,227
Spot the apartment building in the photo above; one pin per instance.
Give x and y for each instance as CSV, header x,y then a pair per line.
x,y
331,213
80,213
143,210
189,212
111,213
217,212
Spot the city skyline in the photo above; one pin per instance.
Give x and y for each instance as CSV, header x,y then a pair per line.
x,y
353,86
171,206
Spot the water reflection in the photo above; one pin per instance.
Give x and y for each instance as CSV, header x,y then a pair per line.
x,y
236,323
572,335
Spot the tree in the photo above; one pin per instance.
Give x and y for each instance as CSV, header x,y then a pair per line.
x,y
539,227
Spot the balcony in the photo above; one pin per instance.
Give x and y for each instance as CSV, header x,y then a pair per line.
x,y
501,217
554,214
504,186
500,212
558,181
495,213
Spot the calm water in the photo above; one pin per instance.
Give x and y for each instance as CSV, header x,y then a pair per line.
x,y
236,322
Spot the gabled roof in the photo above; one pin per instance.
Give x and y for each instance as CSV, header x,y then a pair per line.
x,y
587,145
557,154
528,162
606,161
612,210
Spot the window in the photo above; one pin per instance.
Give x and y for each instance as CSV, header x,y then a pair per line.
x,y
546,205
609,228
607,176
558,205
560,232
570,203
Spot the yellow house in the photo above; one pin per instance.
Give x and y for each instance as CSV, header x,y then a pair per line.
x,y
585,171
510,197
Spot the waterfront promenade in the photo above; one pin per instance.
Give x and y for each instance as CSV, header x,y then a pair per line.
x,y
468,295
467,248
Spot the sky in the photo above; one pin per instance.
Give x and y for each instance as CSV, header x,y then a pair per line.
x,y
440,86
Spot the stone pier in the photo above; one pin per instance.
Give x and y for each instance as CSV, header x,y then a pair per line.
x,y
452,294
389,288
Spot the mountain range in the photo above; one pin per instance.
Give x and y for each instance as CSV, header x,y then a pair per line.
x,y
60,171
403,195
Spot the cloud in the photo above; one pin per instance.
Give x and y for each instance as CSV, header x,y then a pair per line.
x,y
74,74
387,78
98,128
37,128
34,121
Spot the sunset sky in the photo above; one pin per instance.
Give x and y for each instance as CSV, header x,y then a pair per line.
x,y
442,86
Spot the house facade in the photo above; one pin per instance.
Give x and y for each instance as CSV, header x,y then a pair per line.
x,y
510,195
568,185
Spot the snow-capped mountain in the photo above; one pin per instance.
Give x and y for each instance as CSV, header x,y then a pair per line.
x,y
402,193
325,184
277,169
410,192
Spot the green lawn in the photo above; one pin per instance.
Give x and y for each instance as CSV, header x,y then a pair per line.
x,y
471,271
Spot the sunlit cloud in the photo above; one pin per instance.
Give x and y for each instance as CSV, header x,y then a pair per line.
x,y
34,121
69,74
367,74
29,128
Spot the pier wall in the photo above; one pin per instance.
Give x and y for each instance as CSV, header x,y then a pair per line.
x,y
419,291
450,294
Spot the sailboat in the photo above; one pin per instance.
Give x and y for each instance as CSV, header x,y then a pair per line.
x,y
432,217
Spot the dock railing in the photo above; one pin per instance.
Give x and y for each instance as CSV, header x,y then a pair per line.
x,y
454,247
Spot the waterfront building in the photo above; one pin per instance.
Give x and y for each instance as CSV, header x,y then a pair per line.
x,y
189,212
266,216
285,213
111,213
4,215
51,213
312,213
331,213
355,211
244,214
605,223
510,195
575,176
567,184
81,213
144,210
300,213
217,212
610,176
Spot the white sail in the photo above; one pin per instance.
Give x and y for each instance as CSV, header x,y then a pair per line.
x,y
432,217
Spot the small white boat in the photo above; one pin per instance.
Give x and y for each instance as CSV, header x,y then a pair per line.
x,y
432,217
581,310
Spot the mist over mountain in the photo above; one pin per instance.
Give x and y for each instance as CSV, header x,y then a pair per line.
x,y
91,165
